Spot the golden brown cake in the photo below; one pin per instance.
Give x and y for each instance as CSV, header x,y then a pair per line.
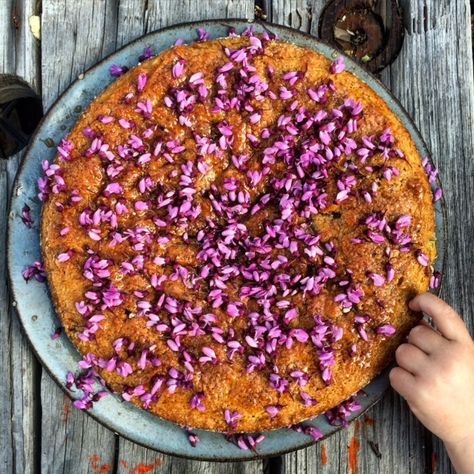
x,y
232,232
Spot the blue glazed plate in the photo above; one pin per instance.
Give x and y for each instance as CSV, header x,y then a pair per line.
x,y
33,300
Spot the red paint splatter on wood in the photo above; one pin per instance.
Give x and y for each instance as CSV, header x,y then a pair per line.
x,y
66,410
324,455
145,468
354,448
356,427
94,461
368,420
434,462
97,467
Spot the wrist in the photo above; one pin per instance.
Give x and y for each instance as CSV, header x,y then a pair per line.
x,y
461,453
466,439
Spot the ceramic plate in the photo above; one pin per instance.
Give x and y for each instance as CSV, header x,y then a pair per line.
x,y
33,300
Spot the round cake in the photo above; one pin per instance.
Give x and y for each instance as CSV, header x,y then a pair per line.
x,y
232,231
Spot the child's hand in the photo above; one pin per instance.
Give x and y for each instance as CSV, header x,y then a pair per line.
x,y
436,375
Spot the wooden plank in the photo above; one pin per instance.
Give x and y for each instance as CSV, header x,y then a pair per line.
x,y
20,370
300,14
391,429
133,458
75,35
131,20
7,41
167,12
158,15
72,441
19,410
438,63
388,430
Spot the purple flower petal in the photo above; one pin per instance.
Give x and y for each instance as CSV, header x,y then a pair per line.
x,y
338,65
56,333
193,438
438,194
386,330
116,70
26,216
435,280
422,258
203,35
178,69
142,81
273,410
147,54
378,279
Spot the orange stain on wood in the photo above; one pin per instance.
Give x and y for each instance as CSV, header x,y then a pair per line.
x,y
141,468
354,448
66,410
97,467
368,420
94,461
145,468
324,455
434,462
356,427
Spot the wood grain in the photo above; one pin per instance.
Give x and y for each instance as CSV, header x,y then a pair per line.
x,y
73,441
434,80
19,410
75,35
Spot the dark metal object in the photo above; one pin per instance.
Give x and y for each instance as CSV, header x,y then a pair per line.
x,y
20,113
33,300
369,30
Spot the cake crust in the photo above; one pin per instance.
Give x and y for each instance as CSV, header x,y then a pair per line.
x,y
159,255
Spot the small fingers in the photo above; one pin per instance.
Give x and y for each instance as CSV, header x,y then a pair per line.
x,y
446,319
411,358
402,382
425,338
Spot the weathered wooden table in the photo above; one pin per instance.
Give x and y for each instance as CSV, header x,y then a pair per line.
x,y
433,78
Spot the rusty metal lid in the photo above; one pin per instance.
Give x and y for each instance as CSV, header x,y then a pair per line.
x,y
370,31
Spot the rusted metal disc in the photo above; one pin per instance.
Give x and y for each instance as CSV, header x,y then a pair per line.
x,y
371,31
20,113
